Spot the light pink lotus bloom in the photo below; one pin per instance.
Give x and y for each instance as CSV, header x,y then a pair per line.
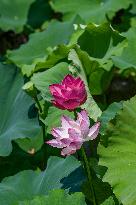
x,y
72,134
69,94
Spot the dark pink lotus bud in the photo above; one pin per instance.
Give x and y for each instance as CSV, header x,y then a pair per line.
x,y
69,94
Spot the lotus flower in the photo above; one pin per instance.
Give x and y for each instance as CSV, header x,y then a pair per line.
x,y
72,134
69,94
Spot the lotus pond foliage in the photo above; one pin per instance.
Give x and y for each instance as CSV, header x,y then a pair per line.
x,y
67,102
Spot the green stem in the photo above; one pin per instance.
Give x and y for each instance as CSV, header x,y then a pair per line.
x,y
40,114
44,130
87,167
38,104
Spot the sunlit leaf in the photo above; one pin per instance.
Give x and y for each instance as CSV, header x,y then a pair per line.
x,y
57,197
120,154
90,105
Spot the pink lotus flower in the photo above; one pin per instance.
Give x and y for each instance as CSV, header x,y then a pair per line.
x,y
72,134
69,94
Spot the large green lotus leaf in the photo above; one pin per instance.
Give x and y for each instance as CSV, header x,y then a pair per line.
x,y
57,197
120,155
101,43
90,105
27,184
40,46
13,14
127,58
96,56
14,106
42,80
53,118
90,10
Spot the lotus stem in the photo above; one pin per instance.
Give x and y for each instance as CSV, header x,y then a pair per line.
x,y
89,176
